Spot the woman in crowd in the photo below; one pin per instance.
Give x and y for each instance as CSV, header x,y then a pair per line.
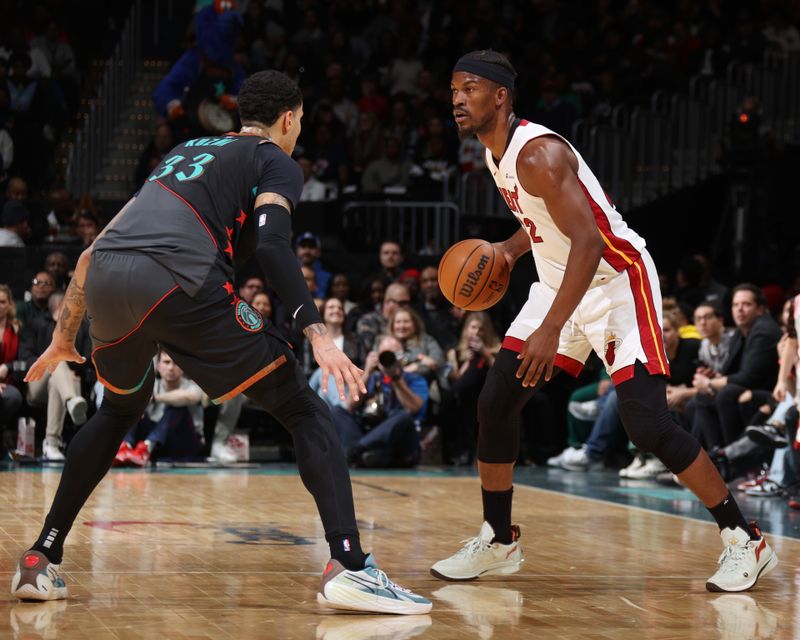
x,y
422,353
10,397
263,304
333,317
468,364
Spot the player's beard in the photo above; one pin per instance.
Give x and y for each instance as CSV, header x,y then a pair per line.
x,y
465,132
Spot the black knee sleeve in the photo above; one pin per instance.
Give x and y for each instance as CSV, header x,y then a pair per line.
x,y
499,405
648,423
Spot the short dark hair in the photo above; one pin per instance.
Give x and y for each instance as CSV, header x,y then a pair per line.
x,y
265,95
715,308
490,56
758,293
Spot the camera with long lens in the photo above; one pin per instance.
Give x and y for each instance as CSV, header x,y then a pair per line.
x,y
391,365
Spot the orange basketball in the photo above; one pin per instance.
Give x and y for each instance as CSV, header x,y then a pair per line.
x,y
473,275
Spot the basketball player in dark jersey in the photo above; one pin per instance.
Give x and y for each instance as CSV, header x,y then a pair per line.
x,y
163,274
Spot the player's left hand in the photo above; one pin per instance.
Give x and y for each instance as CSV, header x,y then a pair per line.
x,y
538,356
48,361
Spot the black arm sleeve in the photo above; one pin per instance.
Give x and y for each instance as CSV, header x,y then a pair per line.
x,y
277,260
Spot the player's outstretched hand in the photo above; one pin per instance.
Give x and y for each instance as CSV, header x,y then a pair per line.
x,y
538,356
333,361
48,361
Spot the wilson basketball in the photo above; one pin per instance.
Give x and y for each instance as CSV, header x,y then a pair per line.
x,y
473,275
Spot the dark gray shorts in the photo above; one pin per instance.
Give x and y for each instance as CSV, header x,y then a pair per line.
x,y
220,342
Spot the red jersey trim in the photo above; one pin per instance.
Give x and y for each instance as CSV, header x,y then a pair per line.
x,y
194,211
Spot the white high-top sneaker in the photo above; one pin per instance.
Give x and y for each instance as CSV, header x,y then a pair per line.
x,y
743,561
480,557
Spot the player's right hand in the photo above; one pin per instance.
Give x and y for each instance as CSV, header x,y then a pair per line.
x,y
332,360
48,361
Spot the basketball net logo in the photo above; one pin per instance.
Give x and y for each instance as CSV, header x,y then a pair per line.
x,y
612,344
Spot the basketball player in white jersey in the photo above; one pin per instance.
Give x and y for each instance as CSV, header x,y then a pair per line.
x,y
598,290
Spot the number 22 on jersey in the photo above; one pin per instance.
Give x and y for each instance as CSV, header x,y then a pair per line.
x,y
197,165
512,200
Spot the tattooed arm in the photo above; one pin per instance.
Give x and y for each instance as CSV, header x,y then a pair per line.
x,y
62,346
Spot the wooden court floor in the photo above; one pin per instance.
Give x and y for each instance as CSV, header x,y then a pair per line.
x,y
238,555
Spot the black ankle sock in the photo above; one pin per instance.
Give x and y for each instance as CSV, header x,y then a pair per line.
x,y
51,542
728,515
497,512
347,550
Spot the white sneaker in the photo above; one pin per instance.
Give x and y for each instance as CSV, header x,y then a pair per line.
x,y
76,407
556,461
367,590
638,463
51,450
221,452
650,469
584,410
743,561
579,460
37,578
480,557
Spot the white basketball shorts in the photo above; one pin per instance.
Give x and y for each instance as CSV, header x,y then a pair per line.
x,y
620,319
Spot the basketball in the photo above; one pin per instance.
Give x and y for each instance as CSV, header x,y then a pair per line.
x,y
473,275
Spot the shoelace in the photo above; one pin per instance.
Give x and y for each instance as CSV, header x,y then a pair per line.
x,y
732,558
472,546
384,581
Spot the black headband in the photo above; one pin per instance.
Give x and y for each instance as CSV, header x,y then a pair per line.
x,y
488,70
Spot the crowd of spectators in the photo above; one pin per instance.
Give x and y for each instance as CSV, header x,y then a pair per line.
x,y
375,75
424,363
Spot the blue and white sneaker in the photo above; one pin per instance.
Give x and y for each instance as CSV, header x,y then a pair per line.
x,y
37,578
368,589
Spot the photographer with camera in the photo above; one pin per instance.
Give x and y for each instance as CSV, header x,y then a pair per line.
x,y
381,429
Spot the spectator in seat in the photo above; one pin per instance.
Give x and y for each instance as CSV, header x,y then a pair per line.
x,y
421,353
390,257
382,430
469,362
375,323
262,303
171,422
366,143
59,391
88,227
340,289
392,169
57,265
250,288
61,218
15,225
309,250
10,397
313,189
333,316
32,311
436,311
713,352
370,301
715,412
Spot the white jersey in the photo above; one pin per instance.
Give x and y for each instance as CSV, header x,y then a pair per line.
x,y
550,246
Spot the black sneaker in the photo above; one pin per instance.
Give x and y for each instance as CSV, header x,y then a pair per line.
x,y
767,435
